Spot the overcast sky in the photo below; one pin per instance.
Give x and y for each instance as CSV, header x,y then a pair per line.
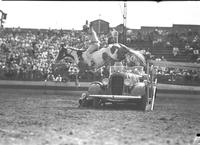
x,y
73,14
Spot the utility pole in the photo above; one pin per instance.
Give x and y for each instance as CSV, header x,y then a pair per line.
x,y
124,22
99,24
3,17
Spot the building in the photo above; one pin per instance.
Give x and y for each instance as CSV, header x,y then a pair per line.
x,y
180,28
148,29
120,28
100,26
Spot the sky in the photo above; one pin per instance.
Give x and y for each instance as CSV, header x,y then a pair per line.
x,y
73,14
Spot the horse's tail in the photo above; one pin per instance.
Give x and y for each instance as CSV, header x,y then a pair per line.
x,y
62,54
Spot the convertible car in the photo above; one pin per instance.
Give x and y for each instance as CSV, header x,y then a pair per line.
x,y
127,85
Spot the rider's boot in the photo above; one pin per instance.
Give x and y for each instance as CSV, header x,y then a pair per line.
x,y
95,43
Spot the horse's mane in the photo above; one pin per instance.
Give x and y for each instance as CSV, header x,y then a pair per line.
x,y
74,48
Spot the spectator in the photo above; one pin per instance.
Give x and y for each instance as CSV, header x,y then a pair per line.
x,y
51,77
175,51
59,78
163,58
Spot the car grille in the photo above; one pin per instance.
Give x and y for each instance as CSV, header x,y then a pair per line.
x,y
116,83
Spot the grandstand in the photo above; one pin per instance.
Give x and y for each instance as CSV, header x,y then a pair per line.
x,y
161,50
162,40
27,54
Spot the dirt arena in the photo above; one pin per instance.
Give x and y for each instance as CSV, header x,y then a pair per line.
x,y
34,117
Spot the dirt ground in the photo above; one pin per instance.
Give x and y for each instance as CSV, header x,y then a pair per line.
x,y
35,117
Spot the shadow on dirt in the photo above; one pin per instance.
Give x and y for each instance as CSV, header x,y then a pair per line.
x,y
118,107
107,107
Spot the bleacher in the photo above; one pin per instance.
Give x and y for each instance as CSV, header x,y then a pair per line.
x,y
43,39
161,50
139,45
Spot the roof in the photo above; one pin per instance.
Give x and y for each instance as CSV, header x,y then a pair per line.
x,y
100,20
184,25
154,27
121,26
179,26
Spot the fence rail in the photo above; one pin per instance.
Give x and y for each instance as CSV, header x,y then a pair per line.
x,y
180,65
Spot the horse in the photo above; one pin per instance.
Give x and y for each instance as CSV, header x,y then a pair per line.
x,y
104,56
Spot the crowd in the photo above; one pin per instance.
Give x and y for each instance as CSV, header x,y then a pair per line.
x,y
185,43
178,76
29,55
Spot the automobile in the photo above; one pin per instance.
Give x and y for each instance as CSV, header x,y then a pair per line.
x,y
124,85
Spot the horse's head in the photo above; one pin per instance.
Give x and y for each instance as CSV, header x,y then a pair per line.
x,y
139,57
122,51
116,51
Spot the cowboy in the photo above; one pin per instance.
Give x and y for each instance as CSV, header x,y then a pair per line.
x,y
94,43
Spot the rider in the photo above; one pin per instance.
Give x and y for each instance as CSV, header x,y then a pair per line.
x,y
94,43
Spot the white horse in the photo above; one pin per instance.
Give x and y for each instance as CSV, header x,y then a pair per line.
x,y
112,53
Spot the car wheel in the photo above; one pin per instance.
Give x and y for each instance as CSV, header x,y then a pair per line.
x,y
95,89
96,102
83,101
143,103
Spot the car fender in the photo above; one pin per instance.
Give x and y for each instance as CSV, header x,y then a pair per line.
x,y
95,88
97,83
139,89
